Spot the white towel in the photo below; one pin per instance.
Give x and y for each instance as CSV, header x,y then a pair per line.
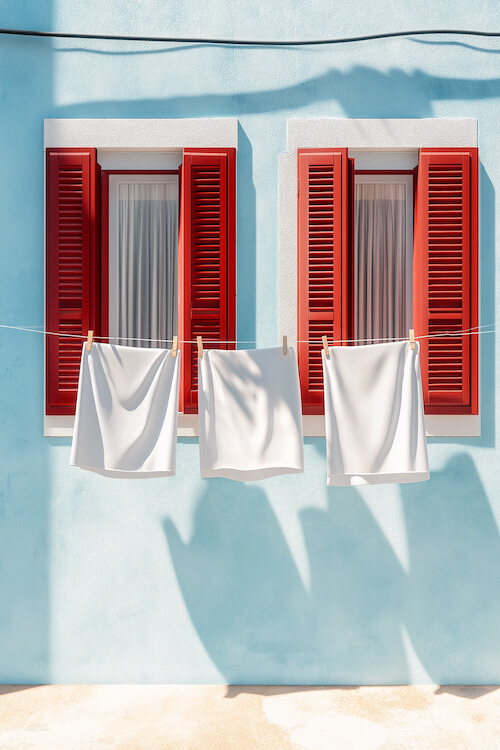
x,y
374,414
250,418
126,411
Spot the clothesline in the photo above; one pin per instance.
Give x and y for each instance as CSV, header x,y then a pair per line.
x,y
250,425
476,330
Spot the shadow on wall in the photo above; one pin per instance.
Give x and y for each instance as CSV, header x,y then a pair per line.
x,y
259,624
25,482
251,610
175,47
452,601
241,588
487,311
467,691
232,691
361,92
6,689
246,224
449,43
486,317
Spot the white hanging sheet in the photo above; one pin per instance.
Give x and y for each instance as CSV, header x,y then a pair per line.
x,y
126,412
374,415
250,419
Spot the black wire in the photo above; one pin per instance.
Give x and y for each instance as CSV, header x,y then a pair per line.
x,y
244,42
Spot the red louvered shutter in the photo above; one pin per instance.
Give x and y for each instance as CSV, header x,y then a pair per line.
x,y
72,268
446,278
323,228
207,260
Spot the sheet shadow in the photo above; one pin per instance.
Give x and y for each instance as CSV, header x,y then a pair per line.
x,y
472,692
260,623
233,691
467,691
240,586
452,597
7,689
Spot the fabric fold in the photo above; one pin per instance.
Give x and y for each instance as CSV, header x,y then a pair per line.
x,y
126,412
374,415
250,420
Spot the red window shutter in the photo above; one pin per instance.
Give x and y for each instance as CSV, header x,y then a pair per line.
x,y
207,260
72,270
323,228
446,278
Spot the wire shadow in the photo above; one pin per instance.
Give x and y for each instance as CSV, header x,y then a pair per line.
x,y
178,48
456,44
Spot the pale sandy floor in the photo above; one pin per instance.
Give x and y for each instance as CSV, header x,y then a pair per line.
x,y
158,717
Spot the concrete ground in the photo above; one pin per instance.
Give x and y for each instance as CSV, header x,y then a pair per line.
x,y
187,717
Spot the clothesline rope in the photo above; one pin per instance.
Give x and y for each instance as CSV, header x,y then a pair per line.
x,y
476,330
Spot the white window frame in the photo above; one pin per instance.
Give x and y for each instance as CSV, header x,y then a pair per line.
x,y
390,137
132,136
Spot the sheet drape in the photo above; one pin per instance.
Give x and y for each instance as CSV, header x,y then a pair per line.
x,y
148,227
374,415
126,411
250,420
380,261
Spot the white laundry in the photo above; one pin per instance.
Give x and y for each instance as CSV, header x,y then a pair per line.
x,y
374,415
250,420
126,412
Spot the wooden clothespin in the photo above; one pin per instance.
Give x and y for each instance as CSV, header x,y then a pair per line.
x,y
285,346
175,344
324,339
199,339
89,340
412,338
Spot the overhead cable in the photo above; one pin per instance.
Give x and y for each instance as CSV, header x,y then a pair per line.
x,y
245,42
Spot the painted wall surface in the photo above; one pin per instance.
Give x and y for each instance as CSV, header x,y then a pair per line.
x,y
285,580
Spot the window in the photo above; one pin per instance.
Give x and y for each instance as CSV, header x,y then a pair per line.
x,y
142,252
137,255
333,297
382,255
335,291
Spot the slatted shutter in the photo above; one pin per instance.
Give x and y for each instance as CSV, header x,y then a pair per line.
x,y
207,260
72,268
446,278
323,222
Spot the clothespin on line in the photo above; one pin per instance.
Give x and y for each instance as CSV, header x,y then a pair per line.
x,y
175,344
285,346
199,339
412,338
89,340
324,339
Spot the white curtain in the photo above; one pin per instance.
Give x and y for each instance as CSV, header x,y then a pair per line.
x,y
380,261
147,262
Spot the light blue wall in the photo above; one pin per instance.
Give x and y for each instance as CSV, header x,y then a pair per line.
x,y
282,581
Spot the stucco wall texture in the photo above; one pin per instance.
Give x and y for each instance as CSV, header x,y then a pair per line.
x,y
282,581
